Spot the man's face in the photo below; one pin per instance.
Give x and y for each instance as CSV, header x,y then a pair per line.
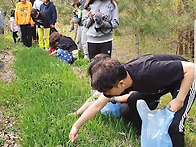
x,y
46,2
115,91
23,1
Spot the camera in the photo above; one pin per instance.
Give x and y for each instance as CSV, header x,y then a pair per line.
x,y
98,20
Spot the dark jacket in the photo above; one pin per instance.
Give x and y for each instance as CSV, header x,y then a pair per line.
x,y
66,43
42,20
63,42
50,10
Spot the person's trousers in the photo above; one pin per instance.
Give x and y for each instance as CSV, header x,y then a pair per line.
x,y
44,43
26,32
34,32
84,40
97,48
14,36
176,130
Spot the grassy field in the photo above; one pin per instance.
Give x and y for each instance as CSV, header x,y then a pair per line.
x,y
46,90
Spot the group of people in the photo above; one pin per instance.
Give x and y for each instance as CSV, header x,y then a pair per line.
x,y
29,14
96,20
147,77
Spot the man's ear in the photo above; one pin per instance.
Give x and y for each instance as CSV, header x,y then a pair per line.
x,y
121,83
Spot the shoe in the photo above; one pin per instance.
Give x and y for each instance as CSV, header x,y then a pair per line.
x,y
47,49
19,40
85,56
71,29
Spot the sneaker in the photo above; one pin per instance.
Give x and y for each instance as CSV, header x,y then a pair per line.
x,y
71,29
85,56
47,49
19,40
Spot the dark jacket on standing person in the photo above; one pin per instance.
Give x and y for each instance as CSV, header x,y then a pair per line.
x,y
50,10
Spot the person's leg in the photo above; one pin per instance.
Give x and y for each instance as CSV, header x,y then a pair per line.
x,y
106,48
79,37
24,29
93,50
74,20
41,39
29,36
84,42
34,33
125,112
46,41
1,30
176,129
20,33
14,36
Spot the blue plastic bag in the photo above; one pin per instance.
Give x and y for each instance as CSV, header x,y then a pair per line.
x,y
110,108
155,125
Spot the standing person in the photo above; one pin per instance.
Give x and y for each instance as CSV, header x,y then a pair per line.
x,y
81,35
149,77
41,19
2,21
100,18
24,20
37,4
50,9
14,27
34,36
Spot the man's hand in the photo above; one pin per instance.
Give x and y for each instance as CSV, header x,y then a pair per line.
x,y
90,15
175,105
73,135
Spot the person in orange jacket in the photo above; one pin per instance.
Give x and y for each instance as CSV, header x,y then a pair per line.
x,y
24,20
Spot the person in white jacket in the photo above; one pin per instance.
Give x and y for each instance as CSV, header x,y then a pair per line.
x,y
37,4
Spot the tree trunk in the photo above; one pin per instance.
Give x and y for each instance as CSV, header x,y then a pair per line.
x,y
180,43
137,44
191,47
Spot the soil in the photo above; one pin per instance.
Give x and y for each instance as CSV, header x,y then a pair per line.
x,y
6,62
8,138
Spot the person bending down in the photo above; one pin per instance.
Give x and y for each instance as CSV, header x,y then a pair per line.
x,y
149,76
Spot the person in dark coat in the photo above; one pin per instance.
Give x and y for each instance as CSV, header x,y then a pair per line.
x,y
50,9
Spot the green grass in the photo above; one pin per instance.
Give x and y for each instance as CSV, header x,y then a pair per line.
x,y
45,91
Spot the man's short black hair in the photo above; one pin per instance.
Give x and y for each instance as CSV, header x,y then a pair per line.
x,y
34,13
106,74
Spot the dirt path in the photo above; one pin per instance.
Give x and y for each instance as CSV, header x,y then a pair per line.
x,y
8,137
6,62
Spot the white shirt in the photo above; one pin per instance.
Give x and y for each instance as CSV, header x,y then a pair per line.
x,y
15,28
37,4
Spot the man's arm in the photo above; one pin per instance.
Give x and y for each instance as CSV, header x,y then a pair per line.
x,y
88,114
122,98
177,103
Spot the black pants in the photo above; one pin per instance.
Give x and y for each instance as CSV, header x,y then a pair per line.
x,y
26,31
176,130
97,48
14,36
34,35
